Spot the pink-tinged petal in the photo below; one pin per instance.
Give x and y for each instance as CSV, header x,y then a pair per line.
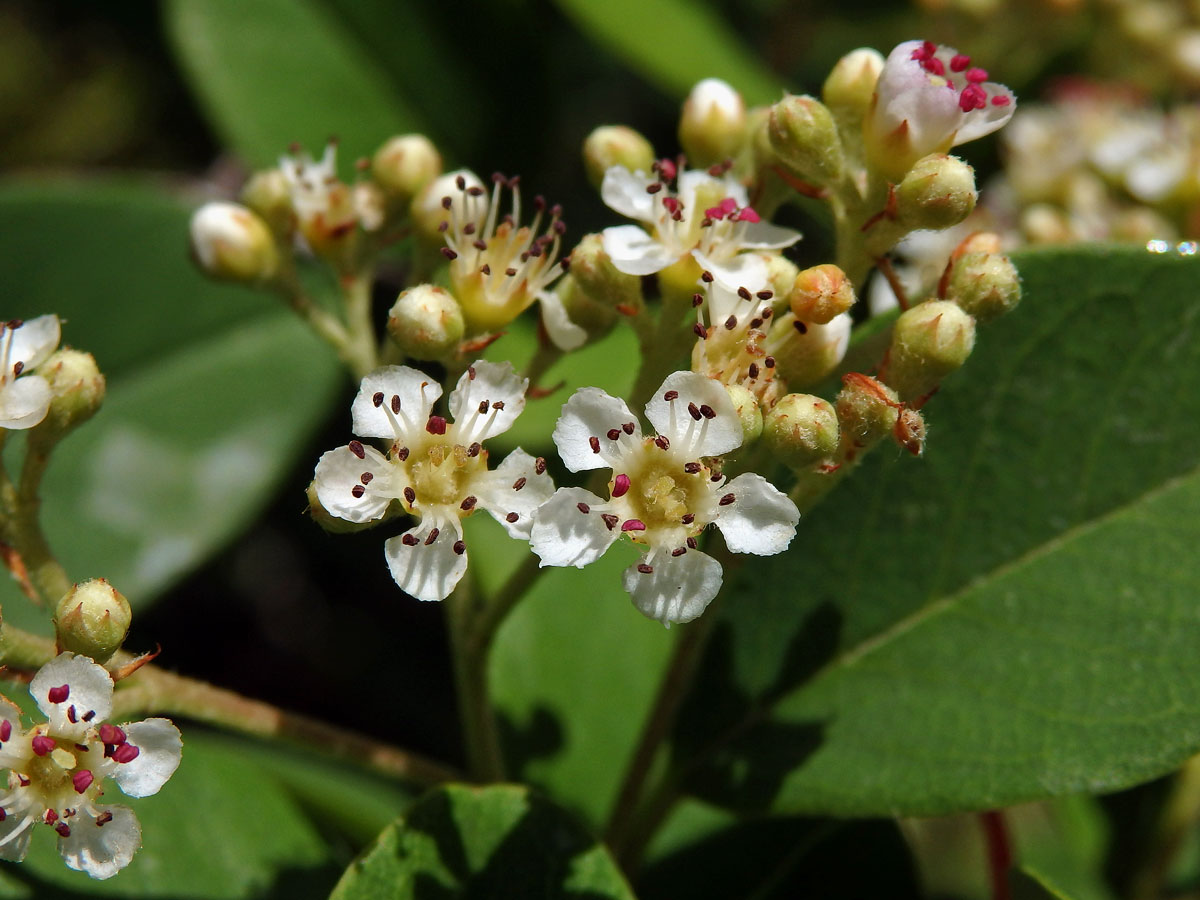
x,y
1001,104
569,529
565,334
428,569
159,750
760,519
635,252
672,588
101,845
353,487
89,695
625,192
485,402
594,430
695,413
24,402
375,407
33,341
512,492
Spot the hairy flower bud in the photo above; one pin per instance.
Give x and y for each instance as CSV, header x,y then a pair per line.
x,y
595,273
92,620
929,342
985,285
615,145
269,194
78,390
426,322
801,430
805,139
867,409
849,88
820,293
712,126
231,242
405,164
938,192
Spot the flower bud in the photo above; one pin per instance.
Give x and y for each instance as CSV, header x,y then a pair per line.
x,y
805,352
801,430
615,145
595,273
92,620
231,242
909,431
939,191
428,213
849,88
781,275
269,194
985,285
805,139
426,322
929,342
712,126
751,417
595,317
820,293
78,390
867,409
404,165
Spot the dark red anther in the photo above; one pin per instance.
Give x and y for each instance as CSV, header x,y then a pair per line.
x,y
706,276
610,521
645,569
519,483
959,62
43,745
357,491
539,465
743,293
104,818
474,449
694,411
82,780
614,434
594,443
511,517
377,399
679,551
395,404
633,525
769,362
71,715
459,548
628,428
483,407
18,368
688,518
752,370
402,454
662,443
692,468
691,542
620,485
468,504
63,829
671,395
410,540
449,254
697,300
800,327
972,97
726,500
410,495
976,76
583,508
126,753
356,447
667,169
707,411
432,536
446,204
731,323
497,404
700,331
50,816
111,734
366,477
436,425
5,730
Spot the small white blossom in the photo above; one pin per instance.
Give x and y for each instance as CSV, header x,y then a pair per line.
x,y
707,212
663,494
25,397
57,768
928,99
327,209
436,469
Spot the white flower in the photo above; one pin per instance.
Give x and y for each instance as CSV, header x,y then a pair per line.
x,y
928,99
662,494
436,469
327,209
24,397
705,212
57,768
499,267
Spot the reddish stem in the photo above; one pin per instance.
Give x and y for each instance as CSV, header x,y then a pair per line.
x,y
999,852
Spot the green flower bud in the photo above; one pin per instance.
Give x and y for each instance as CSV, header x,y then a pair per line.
x,y
938,192
78,388
985,285
712,126
929,342
404,165
426,322
615,145
849,88
748,412
821,293
231,242
593,270
92,620
269,194
801,430
867,410
805,139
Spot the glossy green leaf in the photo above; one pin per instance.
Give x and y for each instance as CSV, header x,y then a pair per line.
x,y
499,841
705,46
1013,616
211,390
270,72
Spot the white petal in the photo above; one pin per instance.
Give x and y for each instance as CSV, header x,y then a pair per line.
x,y
101,850
340,471
417,392
635,252
979,122
706,436
677,589
34,340
159,750
427,571
760,520
591,414
748,270
565,334
24,402
490,383
693,181
625,192
498,493
564,535
89,690
765,236
15,832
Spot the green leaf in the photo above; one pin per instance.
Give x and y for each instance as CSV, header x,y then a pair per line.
x,y
634,30
270,72
1012,617
499,841
211,390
